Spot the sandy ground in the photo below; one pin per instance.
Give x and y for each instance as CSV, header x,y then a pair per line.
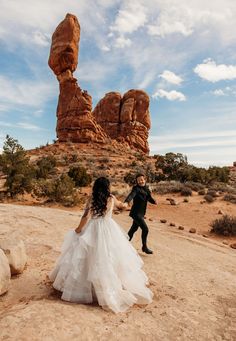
x,y
193,280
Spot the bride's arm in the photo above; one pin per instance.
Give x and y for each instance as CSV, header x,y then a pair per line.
x,y
85,217
119,204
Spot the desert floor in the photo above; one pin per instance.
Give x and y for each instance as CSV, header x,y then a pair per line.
x,y
193,279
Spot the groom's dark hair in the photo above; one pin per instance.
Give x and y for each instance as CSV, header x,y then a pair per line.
x,y
138,175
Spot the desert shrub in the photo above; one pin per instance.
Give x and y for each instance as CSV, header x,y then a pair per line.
x,y
60,190
212,193
105,160
195,186
130,178
202,192
186,191
230,197
164,187
80,176
133,164
209,198
175,167
74,158
225,226
45,166
140,157
14,163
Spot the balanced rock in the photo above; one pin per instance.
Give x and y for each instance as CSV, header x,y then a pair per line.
x,y
127,118
75,122
14,249
65,46
5,273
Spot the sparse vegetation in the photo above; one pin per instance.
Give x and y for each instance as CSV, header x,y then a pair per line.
x,y
209,198
225,226
14,163
80,176
186,191
45,166
230,197
175,167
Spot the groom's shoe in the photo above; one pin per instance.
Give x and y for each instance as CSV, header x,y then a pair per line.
x,y
130,237
147,250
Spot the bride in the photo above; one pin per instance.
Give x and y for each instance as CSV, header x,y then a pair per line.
x,y
97,261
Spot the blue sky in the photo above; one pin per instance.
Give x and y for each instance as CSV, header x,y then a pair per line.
x,y
182,53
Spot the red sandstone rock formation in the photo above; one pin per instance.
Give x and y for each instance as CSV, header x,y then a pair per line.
x,y
75,122
125,119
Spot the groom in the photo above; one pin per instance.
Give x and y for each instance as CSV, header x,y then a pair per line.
x,y
140,195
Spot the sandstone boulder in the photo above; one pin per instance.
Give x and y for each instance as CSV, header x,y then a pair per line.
x,y
14,249
5,273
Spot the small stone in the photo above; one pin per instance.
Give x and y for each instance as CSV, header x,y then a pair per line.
x,y
192,230
173,202
202,202
116,212
163,221
185,200
220,212
233,246
150,219
172,224
205,235
225,242
181,227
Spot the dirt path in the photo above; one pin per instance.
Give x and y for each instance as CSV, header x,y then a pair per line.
x,y
193,280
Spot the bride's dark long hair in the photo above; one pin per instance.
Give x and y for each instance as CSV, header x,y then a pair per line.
x,y
100,194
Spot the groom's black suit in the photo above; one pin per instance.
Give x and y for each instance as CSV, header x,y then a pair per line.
x,y
140,196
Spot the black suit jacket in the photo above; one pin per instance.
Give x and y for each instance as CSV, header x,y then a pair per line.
x,y
140,196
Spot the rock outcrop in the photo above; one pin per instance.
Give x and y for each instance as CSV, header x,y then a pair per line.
x,y
127,118
74,119
124,119
14,249
5,273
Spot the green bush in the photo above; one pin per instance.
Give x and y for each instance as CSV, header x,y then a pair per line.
x,y
14,163
225,226
80,176
45,166
60,190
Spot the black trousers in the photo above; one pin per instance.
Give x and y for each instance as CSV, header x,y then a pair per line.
x,y
139,222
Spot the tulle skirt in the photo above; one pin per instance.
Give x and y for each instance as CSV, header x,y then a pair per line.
x,y
100,264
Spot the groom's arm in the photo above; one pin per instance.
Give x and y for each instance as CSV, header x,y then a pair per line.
x,y
131,195
150,198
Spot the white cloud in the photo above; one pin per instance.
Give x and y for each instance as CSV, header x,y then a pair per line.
x,y
212,72
170,95
218,92
21,125
171,77
25,92
130,18
122,42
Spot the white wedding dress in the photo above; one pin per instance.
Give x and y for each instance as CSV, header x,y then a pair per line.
x,y
100,264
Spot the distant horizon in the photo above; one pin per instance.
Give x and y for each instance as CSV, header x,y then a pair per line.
x,y
182,54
